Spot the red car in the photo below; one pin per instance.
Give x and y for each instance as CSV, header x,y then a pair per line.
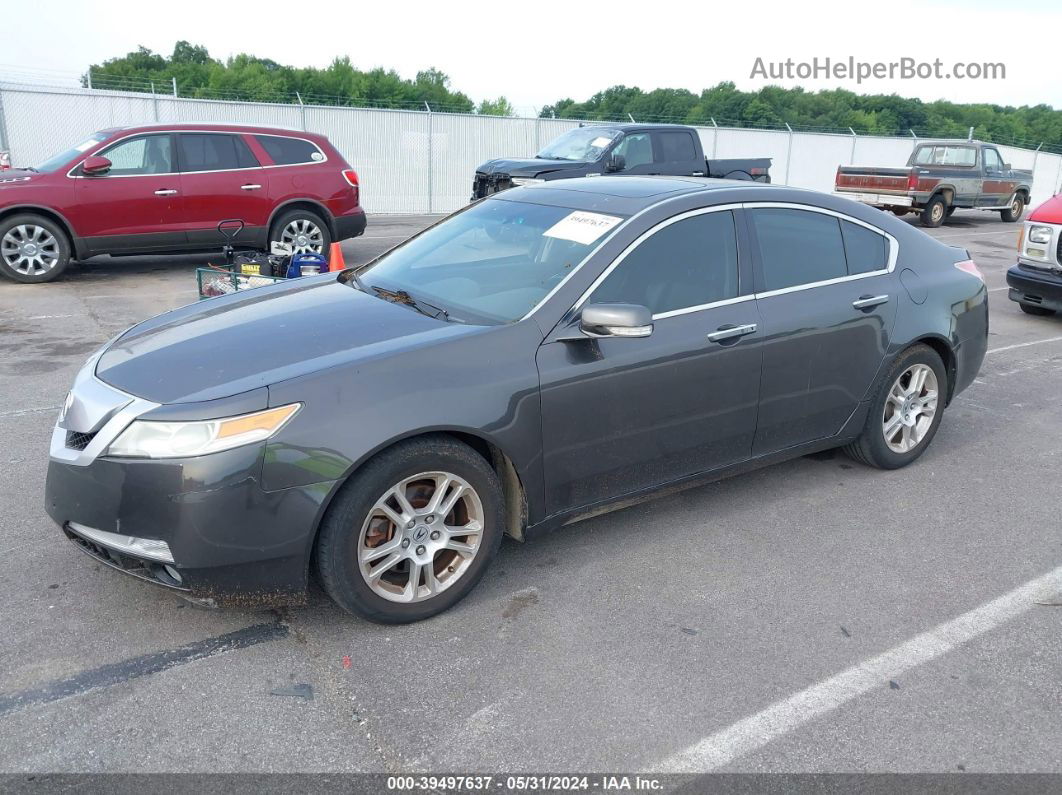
x,y
165,188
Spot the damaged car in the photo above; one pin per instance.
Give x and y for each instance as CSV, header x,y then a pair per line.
x,y
544,355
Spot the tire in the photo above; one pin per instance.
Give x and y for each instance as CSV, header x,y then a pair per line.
x,y
355,525
871,448
1015,211
934,213
33,249
298,225
1039,311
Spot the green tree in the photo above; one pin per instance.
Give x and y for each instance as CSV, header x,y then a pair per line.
x,y
496,107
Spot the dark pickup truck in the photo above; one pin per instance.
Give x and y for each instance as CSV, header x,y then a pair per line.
x,y
941,176
627,149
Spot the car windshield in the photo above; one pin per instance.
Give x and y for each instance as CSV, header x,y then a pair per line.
x,y
582,143
491,263
58,161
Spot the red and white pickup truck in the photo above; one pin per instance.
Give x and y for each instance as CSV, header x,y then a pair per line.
x,y
940,177
1036,280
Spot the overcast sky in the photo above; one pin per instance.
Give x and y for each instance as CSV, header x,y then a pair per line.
x,y
535,53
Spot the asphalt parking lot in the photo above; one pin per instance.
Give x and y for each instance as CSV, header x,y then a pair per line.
x,y
814,616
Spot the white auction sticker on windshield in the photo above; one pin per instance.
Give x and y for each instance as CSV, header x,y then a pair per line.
x,y
600,142
582,227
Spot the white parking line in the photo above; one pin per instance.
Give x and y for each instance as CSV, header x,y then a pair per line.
x,y
979,234
1022,345
782,717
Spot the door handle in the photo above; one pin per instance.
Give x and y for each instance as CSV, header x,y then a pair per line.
x,y
868,301
250,187
727,333
165,192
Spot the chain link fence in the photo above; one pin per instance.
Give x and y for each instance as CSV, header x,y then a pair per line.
x,y
423,162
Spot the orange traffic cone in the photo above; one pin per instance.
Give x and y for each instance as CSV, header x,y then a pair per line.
x,y
335,258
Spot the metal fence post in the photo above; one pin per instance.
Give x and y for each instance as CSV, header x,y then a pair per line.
x,y
154,100
715,136
302,110
175,86
431,156
5,144
851,157
788,153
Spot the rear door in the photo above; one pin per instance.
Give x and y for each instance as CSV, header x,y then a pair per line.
x,y
826,294
675,152
222,180
137,204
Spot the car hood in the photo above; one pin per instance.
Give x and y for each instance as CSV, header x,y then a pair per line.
x,y
16,176
531,167
231,345
1050,212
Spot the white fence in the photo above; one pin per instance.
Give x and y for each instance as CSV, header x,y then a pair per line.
x,y
419,162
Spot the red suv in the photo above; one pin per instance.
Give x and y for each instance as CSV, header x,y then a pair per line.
x,y
165,188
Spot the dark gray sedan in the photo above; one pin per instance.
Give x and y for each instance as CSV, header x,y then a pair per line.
x,y
543,355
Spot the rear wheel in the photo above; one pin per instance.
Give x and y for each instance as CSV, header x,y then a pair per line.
x,y
412,533
303,230
1015,210
906,411
33,249
1039,311
934,213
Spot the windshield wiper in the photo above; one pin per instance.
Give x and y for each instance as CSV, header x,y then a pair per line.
x,y
31,168
551,157
402,297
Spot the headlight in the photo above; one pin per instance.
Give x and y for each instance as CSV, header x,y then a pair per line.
x,y
149,439
1039,234
518,181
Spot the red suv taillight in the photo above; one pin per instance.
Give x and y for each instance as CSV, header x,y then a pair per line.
x,y
970,267
351,176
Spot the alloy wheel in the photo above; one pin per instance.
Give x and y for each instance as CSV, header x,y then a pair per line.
x,y
420,537
29,249
303,236
910,408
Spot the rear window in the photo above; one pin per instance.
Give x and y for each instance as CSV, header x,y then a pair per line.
x,y
946,156
866,250
289,151
214,152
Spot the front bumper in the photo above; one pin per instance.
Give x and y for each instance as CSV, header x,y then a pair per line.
x,y
1035,286
230,541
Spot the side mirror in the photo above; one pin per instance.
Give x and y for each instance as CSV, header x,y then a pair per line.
x,y
95,165
616,320
616,163
1006,166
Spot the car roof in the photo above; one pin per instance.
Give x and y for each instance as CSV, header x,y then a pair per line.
x,y
211,126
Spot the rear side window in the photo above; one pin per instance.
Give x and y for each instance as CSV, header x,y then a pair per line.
x,y
798,247
688,263
289,151
213,152
676,146
864,249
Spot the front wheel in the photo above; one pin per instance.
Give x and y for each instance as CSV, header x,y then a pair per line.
x,y
411,533
33,249
1015,210
905,413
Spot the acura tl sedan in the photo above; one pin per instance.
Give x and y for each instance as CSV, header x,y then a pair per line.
x,y
538,357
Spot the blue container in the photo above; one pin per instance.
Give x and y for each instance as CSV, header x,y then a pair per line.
x,y
308,258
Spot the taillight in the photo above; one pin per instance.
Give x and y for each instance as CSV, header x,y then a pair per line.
x,y
970,267
351,176
912,181
837,176
1021,237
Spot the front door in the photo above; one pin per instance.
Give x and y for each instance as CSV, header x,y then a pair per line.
x,y
827,296
222,181
136,204
998,185
624,414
